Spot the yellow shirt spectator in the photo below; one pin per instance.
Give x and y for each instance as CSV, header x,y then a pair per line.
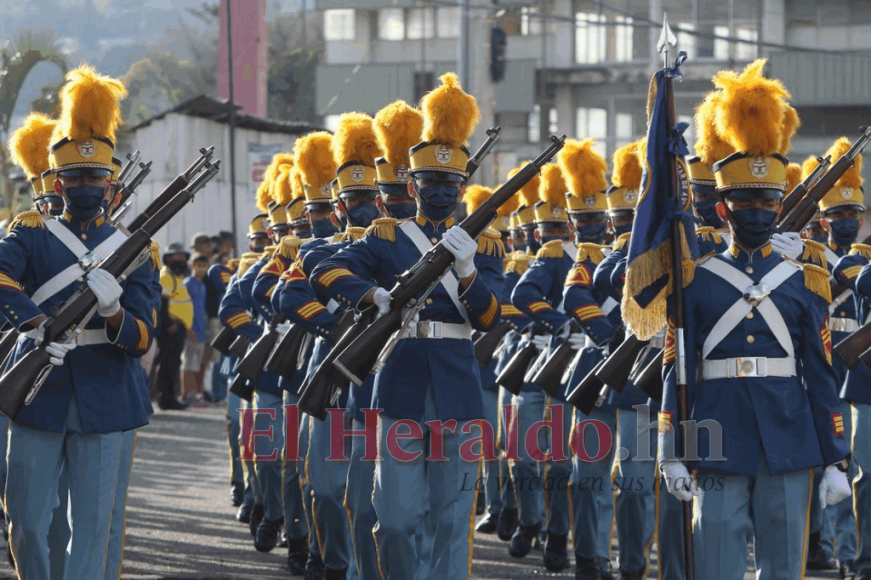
x,y
181,307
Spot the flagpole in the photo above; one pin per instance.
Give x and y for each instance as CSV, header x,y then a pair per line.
x,y
666,41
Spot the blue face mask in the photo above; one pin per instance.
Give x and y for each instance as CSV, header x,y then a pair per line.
x,y
362,214
401,210
323,228
844,231
533,244
592,232
753,227
620,230
707,211
438,202
84,201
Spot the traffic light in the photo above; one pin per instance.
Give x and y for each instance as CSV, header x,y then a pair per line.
x,y
498,41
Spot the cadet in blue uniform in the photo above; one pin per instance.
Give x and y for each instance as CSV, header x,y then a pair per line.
x,y
82,427
596,316
431,374
758,323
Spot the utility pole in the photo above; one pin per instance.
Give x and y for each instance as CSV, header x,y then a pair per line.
x,y
463,47
231,121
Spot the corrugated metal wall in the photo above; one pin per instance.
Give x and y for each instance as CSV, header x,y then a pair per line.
x,y
818,79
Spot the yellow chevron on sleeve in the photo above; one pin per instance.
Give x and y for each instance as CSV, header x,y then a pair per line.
x,y
310,309
238,320
327,278
510,310
536,307
143,335
851,272
7,282
585,313
489,315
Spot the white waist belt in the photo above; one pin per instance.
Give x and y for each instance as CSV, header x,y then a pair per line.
x,y
435,329
92,337
750,366
843,325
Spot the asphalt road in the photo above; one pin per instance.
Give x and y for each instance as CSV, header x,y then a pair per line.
x,y
180,523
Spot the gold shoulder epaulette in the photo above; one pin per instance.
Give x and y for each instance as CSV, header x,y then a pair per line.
x,y
251,256
622,240
155,255
246,262
337,237
289,247
490,243
268,251
591,252
863,250
28,219
816,279
552,249
814,253
353,234
384,228
517,262
709,234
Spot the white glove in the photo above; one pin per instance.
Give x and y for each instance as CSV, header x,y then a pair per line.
x,y
541,341
381,299
834,487
788,244
58,350
283,328
678,480
459,243
107,290
577,340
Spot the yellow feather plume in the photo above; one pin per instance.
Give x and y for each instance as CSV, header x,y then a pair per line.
x,y
808,165
314,158
709,146
793,176
529,192
282,190
264,191
355,140
476,195
90,106
853,176
296,183
584,169
553,186
510,206
750,116
627,166
29,144
791,124
398,128
450,114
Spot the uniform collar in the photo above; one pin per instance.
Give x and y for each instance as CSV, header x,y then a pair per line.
x,y
742,256
837,249
429,225
93,223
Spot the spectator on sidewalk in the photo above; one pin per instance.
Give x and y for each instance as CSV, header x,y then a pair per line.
x,y
194,362
177,316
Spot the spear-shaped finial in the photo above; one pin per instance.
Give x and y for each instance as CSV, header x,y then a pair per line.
x,y
666,40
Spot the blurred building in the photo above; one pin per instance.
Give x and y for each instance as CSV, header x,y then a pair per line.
x,y
582,67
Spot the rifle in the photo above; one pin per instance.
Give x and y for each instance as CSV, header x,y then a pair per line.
x,y
20,384
649,379
251,365
482,152
239,346
284,357
549,376
223,340
611,372
854,346
800,190
242,387
488,342
807,208
511,377
128,189
357,360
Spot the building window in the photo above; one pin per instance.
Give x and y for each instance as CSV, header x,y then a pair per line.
x,y
423,83
331,122
391,24
623,33
721,45
530,22
534,125
420,24
448,22
686,39
592,123
552,123
590,38
746,50
339,24
623,129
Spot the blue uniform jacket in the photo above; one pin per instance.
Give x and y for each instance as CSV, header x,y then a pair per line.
x,y
852,271
796,421
448,366
268,382
710,242
106,378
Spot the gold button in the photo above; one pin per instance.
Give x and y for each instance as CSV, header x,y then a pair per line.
x,y
750,339
84,236
748,269
434,240
80,279
429,300
749,316
843,314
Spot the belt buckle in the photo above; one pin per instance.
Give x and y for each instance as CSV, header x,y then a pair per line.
x,y
756,294
436,329
422,330
88,261
751,367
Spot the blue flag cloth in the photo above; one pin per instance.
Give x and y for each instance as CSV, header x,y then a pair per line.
x,y
649,268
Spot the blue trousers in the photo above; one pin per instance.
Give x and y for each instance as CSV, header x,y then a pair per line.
x,y
592,496
558,473
361,512
116,531
862,483
327,479
269,471
669,533
771,509
526,473
492,469
305,487
234,432
59,532
405,490
35,459
837,523
634,481
506,491
294,515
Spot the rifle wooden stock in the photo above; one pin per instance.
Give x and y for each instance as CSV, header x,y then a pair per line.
x,y
865,358
223,340
357,360
32,368
649,379
612,372
550,374
800,190
239,347
486,345
7,343
254,361
511,377
852,347
585,395
316,392
242,387
283,358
